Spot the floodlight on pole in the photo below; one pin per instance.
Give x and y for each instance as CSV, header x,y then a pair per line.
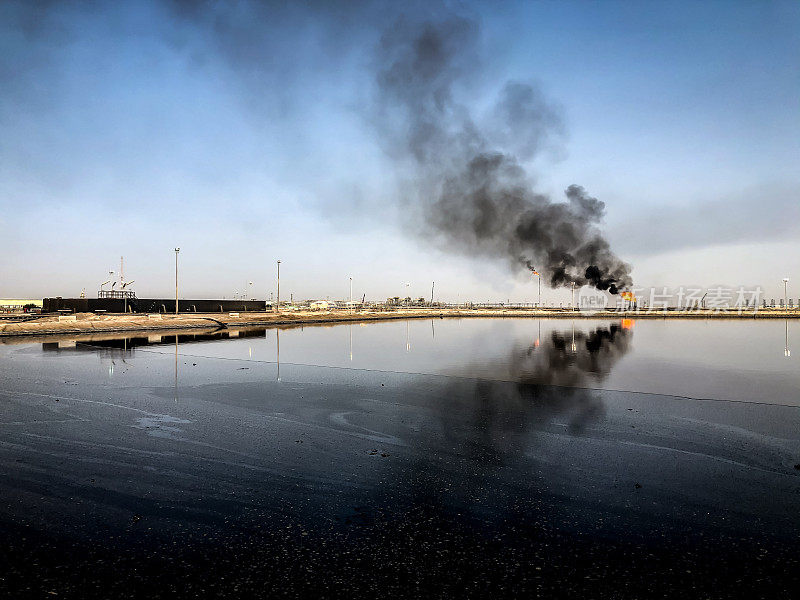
x,y
539,278
125,296
785,293
278,303
176,279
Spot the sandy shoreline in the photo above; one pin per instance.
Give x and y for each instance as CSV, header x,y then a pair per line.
x,y
82,323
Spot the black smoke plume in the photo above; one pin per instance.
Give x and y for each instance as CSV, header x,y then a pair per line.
x,y
470,188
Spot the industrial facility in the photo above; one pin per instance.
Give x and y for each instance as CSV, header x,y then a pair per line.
x,y
114,302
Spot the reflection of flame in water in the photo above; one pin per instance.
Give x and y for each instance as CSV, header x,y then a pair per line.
x,y
628,323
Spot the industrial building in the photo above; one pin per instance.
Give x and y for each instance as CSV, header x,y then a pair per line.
x,y
8,305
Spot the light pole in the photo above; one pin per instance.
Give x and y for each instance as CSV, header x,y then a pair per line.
x,y
573,296
250,289
125,295
539,277
539,281
111,281
176,279
278,303
785,293
351,290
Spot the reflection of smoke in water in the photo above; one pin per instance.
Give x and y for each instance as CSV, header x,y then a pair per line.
x,y
547,383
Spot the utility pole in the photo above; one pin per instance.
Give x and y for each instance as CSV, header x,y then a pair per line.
x,y
785,293
278,303
176,279
122,283
433,283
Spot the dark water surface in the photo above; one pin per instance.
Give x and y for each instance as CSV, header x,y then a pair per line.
x,y
456,458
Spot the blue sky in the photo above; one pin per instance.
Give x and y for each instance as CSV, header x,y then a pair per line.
x,y
241,133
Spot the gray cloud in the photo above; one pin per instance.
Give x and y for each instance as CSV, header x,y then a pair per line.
x,y
770,212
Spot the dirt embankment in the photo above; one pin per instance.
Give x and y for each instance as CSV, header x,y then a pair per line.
x,y
96,323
